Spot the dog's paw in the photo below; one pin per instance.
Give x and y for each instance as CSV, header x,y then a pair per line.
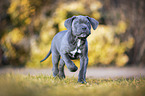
x,y
82,81
73,69
55,73
61,76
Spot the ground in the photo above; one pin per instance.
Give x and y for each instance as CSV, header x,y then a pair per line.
x,y
95,73
100,82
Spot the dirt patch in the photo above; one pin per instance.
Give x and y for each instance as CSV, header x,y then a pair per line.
x,y
107,72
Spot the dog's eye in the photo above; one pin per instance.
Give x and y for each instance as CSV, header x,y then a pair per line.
x,y
88,23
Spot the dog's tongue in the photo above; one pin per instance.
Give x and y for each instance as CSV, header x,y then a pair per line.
x,y
83,35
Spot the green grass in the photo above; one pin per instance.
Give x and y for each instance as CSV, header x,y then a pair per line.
x,y
43,85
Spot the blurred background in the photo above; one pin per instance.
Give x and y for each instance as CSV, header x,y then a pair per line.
x,y
28,26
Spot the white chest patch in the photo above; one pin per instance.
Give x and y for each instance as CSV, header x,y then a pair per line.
x,y
77,50
78,43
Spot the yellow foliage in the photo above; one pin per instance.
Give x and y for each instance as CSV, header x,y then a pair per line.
x,y
121,60
20,11
46,35
75,6
28,21
61,26
6,39
95,5
16,35
104,47
121,27
130,42
96,15
11,52
13,6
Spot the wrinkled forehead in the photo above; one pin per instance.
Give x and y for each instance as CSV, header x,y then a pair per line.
x,y
81,19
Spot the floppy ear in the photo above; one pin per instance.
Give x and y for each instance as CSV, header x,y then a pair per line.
x,y
68,22
93,22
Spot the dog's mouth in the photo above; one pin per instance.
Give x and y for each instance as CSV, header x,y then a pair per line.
x,y
82,35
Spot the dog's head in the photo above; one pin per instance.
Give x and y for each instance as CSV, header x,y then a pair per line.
x,y
80,26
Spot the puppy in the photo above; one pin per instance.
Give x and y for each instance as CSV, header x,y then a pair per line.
x,y
72,44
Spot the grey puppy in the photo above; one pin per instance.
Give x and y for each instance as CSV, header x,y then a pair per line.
x,y
72,44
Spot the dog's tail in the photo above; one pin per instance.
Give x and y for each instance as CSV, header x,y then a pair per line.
x,y
46,56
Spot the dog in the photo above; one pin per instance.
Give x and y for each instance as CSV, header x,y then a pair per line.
x,y
72,44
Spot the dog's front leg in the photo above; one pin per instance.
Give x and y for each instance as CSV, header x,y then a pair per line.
x,y
70,65
83,69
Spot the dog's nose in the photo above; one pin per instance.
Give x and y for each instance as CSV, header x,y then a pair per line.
x,y
84,28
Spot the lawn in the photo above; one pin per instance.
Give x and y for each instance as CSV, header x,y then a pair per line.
x,y
44,85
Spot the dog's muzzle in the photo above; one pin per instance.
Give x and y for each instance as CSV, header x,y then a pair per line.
x,y
83,35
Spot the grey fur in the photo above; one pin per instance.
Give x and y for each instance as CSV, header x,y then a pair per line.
x,y
72,44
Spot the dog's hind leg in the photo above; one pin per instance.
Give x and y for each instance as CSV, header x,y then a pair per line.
x,y
55,60
61,69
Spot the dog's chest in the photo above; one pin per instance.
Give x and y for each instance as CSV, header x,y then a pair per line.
x,y
77,49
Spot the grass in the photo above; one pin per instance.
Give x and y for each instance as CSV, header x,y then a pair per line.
x,y
43,85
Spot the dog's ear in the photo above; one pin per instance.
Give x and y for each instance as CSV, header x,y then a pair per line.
x,y
93,22
68,22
